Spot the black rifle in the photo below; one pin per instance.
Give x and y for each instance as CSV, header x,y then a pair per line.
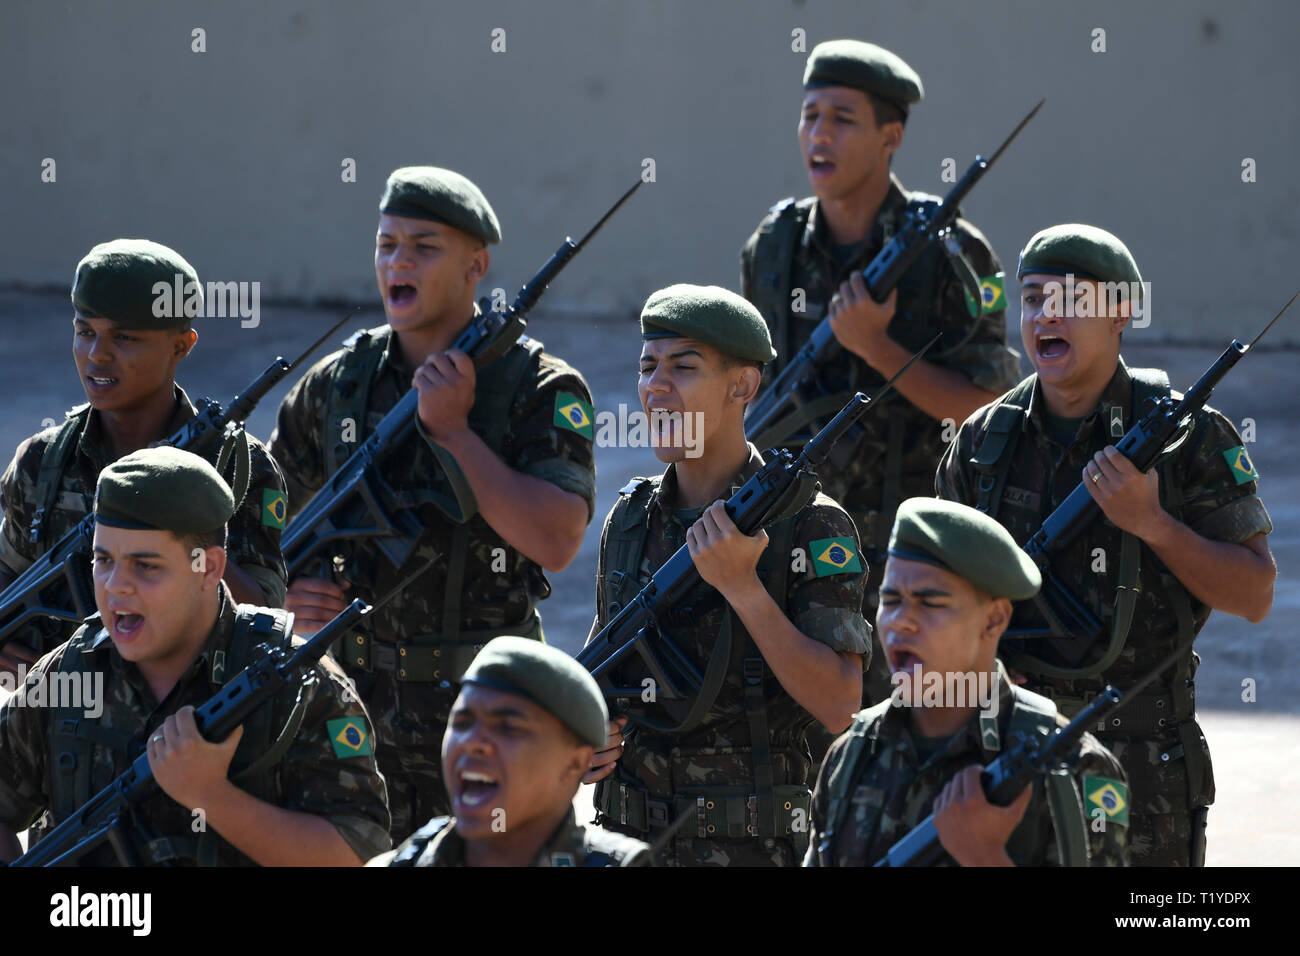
x,y
353,504
108,815
1071,626
781,487
57,585
797,395
1025,758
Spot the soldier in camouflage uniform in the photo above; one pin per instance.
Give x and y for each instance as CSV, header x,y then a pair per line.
x,y
518,432
521,736
296,784
1186,537
945,601
126,358
803,263
782,613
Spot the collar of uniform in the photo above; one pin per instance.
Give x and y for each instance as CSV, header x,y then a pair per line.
x,y
91,441
392,358
558,850
667,490
897,727
883,229
1118,391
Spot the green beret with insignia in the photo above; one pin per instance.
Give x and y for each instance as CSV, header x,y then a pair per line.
x,y
866,67
709,314
163,489
966,542
1085,252
119,280
548,677
441,195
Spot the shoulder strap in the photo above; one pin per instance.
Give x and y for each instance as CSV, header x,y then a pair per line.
x,y
1035,715
839,784
992,460
413,848
773,257
50,477
607,848
349,391
625,535
73,736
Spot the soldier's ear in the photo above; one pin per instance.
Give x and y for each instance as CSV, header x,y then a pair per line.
x,y
745,385
184,343
479,261
997,619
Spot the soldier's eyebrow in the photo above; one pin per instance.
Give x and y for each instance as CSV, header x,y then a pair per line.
x,y
426,234
508,711
1031,285
131,554
920,592
681,353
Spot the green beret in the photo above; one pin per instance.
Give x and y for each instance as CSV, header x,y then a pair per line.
x,y
548,677
163,489
866,67
709,314
116,280
430,192
1084,251
966,542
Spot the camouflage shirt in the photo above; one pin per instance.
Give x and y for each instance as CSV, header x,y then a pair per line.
x,y
499,587
438,843
493,595
823,599
316,775
894,789
1215,501
253,534
975,347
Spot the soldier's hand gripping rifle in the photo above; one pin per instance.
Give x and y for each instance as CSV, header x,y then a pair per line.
x,y
682,695
1024,759
57,585
1071,626
796,395
354,503
108,816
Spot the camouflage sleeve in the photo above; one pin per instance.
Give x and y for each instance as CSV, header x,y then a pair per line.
x,y
330,769
1103,789
296,441
951,479
1219,483
253,540
24,790
547,437
976,347
17,489
826,579
817,818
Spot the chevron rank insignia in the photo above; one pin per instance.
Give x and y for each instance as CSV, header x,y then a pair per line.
x,y
1110,795
992,297
350,736
989,737
1243,469
275,508
834,556
573,413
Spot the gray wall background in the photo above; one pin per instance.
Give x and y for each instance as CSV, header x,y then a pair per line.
x,y
233,155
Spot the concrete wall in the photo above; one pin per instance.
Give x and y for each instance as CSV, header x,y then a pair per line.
x,y
233,155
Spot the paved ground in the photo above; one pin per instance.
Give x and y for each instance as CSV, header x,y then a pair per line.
x,y
1256,745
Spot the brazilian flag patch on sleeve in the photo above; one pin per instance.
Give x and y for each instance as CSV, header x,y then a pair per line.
x,y
1243,469
992,297
275,508
1110,795
350,736
834,556
573,413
